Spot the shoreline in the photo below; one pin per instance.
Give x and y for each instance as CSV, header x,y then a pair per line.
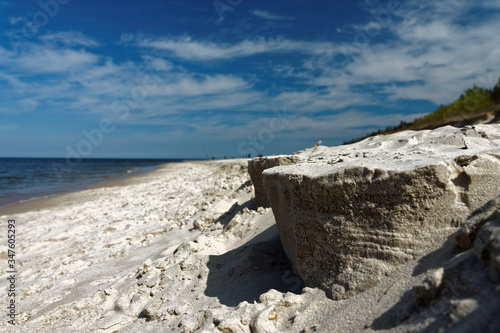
x,y
80,249
51,200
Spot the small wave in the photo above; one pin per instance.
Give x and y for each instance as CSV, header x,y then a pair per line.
x,y
11,178
132,170
10,202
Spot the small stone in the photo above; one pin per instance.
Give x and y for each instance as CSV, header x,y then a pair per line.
x,y
198,225
236,220
462,309
430,288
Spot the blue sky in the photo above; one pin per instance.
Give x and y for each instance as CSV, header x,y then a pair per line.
x,y
191,79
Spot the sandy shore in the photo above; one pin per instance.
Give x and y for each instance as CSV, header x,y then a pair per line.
x,y
73,247
181,249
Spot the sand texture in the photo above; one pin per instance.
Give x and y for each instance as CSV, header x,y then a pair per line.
x,y
185,248
350,214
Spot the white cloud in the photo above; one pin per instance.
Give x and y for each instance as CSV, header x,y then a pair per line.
x,y
428,32
12,80
426,53
268,16
187,48
433,57
372,28
40,59
209,85
126,37
70,38
430,57
159,64
15,19
81,81
312,101
10,105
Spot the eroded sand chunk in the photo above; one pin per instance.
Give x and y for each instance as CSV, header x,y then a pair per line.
x,y
350,214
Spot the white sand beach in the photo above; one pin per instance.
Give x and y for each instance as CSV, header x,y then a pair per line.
x,y
79,258
183,249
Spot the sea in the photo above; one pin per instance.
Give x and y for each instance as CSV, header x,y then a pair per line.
x,y
25,179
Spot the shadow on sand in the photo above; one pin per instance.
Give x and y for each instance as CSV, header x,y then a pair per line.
x,y
245,273
406,306
437,258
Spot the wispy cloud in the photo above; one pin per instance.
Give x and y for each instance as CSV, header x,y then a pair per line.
x,y
227,90
15,19
268,16
39,59
209,85
190,49
70,38
82,81
431,55
126,37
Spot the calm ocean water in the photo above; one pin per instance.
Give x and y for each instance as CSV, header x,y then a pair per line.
x,y
23,179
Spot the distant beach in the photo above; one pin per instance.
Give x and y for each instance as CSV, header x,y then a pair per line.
x,y
26,179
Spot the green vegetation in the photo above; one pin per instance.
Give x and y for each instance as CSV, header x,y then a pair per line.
x,y
495,93
473,105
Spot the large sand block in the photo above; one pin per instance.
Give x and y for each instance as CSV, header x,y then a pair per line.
x,y
351,214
